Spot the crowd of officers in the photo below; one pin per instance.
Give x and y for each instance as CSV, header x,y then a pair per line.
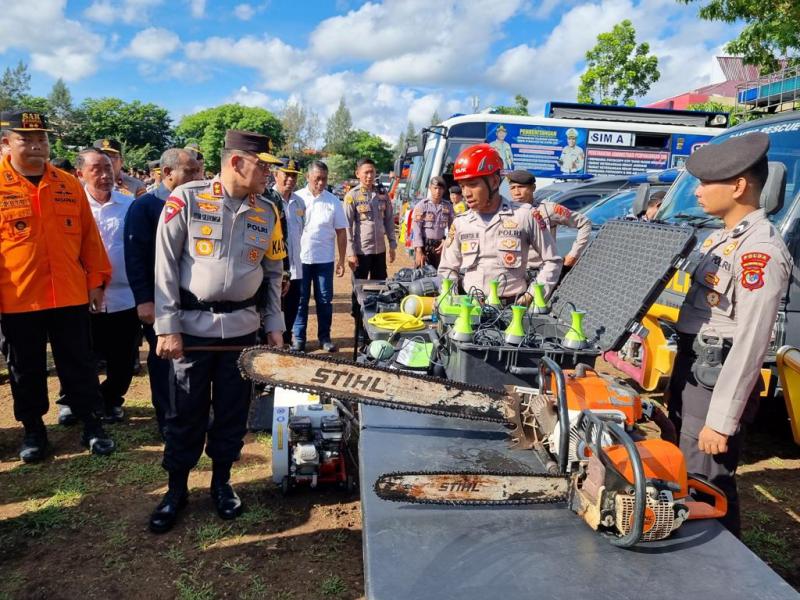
x,y
205,266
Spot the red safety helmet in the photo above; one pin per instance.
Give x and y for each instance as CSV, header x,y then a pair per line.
x,y
479,160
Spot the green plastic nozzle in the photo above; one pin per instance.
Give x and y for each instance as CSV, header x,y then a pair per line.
x,y
515,332
494,297
443,299
462,329
540,306
575,338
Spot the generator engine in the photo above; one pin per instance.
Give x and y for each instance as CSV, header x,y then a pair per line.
x,y
314,449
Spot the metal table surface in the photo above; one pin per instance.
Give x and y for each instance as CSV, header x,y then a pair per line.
x,y
434,552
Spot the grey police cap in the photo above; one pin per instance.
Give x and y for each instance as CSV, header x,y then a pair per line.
x,y
521,177
718,162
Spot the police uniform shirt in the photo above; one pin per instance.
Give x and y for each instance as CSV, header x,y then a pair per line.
x,y
571,159
130,186
555,214
497,247
295,211
369,220
431,221
736,289
219,249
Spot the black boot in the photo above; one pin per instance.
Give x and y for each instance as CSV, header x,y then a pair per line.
x,y
34,445
174,501
96,439
228,504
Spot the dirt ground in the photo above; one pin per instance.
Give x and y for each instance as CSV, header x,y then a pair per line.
x,y
75,526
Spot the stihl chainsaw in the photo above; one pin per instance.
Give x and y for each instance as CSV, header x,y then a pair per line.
x,y
578,422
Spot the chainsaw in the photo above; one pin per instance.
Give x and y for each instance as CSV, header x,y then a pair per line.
x,y
579,422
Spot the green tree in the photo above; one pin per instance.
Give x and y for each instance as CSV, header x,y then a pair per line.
x,y
61,110
435,118
712,106
340,168
15,84
617,69
520,107
770,32
208,128
135,124
363,144
338,129
400,145
301,129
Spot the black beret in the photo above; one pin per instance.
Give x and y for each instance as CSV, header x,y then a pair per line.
x,y
108,145
23,120
521,177
455,189
438,180
734,156
249,141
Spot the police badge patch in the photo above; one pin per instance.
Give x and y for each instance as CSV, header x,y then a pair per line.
x,y
753,264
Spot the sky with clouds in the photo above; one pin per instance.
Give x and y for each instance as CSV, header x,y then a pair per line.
x,y
392,60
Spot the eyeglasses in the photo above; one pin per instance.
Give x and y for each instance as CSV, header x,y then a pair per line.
x,y
260,164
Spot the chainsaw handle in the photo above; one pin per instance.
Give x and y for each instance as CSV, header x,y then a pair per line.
x,y
548,364
595,427
703,510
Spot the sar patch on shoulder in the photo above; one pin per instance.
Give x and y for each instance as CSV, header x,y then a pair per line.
x,y
172,207
204,247
753,264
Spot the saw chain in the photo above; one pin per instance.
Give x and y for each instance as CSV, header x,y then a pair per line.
x,y
473,488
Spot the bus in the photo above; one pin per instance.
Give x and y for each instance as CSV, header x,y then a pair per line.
x,y
571,141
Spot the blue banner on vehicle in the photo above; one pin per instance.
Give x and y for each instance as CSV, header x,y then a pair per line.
x,y
546,151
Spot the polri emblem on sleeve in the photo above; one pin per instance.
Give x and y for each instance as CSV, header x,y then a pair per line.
x,y
172,207
753,264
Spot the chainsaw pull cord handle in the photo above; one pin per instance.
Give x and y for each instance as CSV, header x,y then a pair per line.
x,y
548,365
595,427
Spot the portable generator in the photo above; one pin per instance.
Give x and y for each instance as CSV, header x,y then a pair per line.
x,y
309,447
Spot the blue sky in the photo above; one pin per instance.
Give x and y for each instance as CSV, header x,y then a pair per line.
x,y
392,60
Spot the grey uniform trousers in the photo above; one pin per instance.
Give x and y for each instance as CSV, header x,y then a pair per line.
x,y
201,380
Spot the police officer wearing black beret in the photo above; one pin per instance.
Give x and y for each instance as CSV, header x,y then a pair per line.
x,y
726,320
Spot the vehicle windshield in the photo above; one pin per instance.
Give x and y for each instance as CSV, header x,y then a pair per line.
x,y
418,182
615,206
680,204
546,194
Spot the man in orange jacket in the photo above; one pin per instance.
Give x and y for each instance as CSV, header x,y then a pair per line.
x,y
52,274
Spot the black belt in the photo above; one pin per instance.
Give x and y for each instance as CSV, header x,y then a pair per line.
x,y
432,244
190,302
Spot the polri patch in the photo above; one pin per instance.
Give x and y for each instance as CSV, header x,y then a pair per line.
x,y
753,264
172,207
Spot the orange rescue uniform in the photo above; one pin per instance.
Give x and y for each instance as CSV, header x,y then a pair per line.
x,y
51,252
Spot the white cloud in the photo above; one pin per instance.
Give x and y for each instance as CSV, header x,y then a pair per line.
x,y
109,12
281,66
198,8
247,97
245,12
153,44
58,46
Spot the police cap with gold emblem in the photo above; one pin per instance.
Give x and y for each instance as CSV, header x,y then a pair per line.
x,y
731,158
288,165
521,177
249,141
23,120
109,145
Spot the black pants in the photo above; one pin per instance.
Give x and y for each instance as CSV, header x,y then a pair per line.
x,y
158,370
688,406
114,337
289,305
25,348
370,266
432,257
199,381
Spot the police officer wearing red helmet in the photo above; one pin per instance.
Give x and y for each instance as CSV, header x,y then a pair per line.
x,y
492,240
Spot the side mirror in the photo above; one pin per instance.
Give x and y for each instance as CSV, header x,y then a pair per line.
x,y
398,167
774,188
639,205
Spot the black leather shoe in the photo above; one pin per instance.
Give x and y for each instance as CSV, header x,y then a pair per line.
x,y
166,513
115,414
229,505
34,446
97,440
65,416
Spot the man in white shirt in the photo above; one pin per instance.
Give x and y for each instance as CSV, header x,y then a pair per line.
x,y
325,225
294,210
115,327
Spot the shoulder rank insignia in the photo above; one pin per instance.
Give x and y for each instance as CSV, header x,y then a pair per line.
x,y
216,189
753,264
172,207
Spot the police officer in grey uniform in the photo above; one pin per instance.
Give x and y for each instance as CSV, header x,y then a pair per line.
x,y
726,321
211,258
123,183
430,222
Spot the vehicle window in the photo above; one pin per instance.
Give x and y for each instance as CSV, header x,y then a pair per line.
x,y
784,147
418,186
612,207
454,148
476,130
579,202
546,194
